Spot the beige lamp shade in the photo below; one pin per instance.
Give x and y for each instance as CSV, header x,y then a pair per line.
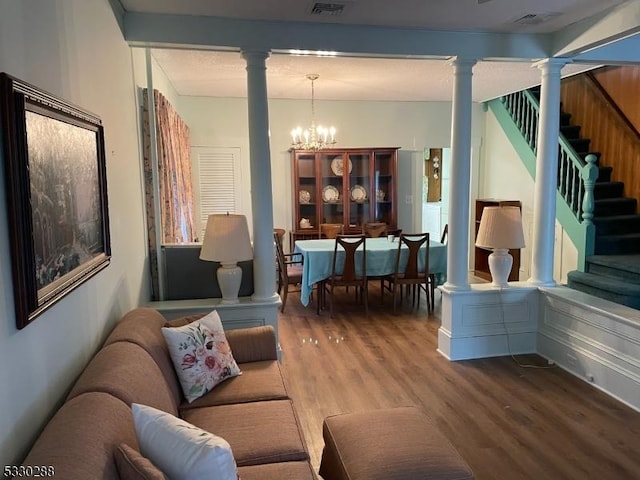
x,y
226,239
500,228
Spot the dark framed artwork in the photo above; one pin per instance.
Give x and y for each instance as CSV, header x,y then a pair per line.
x,y
55,177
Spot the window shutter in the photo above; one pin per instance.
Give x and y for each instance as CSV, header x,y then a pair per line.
x,y
218,173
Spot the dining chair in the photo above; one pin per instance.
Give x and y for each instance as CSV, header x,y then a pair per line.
x,y
280,239
280,232
330,230
445,234
432,276
289,270
412,275
375,229
353,272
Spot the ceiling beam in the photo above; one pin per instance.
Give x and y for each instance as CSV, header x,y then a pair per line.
x,y
610,26
164,30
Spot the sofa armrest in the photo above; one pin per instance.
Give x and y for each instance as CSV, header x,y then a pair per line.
x,y
252,344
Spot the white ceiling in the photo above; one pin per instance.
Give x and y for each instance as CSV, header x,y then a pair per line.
x,y
222,74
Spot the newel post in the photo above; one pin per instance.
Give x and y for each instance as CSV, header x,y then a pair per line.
x,y
589,176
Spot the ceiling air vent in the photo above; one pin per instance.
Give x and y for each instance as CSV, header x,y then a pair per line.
x,y
535,18
327,9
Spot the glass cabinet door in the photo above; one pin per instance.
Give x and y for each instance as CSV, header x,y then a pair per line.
x,y
384,188
360,192
332,188
350,186
307,193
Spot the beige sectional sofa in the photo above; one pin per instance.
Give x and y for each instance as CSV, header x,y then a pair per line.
x,y
252,411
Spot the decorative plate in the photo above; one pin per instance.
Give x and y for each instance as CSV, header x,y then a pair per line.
x,y
358,193
337,166
304,196
330,194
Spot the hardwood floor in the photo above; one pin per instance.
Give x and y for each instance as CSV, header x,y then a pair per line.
x,y
508,422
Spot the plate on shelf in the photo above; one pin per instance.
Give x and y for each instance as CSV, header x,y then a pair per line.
x,y
358,193
337,166
330,194
304,196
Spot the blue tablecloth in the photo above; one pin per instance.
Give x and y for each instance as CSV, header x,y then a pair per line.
x,y
381,260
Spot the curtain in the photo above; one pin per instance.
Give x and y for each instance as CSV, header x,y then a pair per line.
x,y
175,192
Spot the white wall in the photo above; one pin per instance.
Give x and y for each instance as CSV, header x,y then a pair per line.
x,y
222,122
73,49
504,176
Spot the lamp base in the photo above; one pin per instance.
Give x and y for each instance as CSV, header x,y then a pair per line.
x,y
500,262
229,278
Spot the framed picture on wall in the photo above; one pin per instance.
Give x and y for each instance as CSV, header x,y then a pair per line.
x,y
55,178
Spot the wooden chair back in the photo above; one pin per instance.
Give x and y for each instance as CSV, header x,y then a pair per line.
x,y
414,242
351,275
289,267
331,230
279,254
375,229
350,243
280,235
445,234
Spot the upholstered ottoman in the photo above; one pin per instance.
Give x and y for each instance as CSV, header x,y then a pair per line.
x,y
390,444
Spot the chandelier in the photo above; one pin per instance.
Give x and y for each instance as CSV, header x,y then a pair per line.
x,y
314,137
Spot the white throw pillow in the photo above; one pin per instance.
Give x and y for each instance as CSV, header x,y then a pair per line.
x,y
201,355
181,450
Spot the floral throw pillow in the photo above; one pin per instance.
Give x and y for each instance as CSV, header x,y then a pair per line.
x,y
201,355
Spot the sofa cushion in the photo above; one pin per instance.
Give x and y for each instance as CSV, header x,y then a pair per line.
x,y
182,450
133,466
201,355
259,381
142,326
252,344
258,432
80,439
127,372
278,471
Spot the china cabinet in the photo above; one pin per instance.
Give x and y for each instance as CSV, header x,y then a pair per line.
x,y
350,186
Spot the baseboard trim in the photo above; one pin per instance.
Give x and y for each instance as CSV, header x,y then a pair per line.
x,y
595,340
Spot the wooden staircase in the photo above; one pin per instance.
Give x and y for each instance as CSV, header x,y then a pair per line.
x,y
613,272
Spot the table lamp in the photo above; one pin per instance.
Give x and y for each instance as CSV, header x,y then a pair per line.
x,y
226,240
500,230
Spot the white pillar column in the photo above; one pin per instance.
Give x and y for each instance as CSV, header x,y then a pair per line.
x,y
460,183
264,286
546,184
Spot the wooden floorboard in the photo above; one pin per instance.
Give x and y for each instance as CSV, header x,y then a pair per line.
x,y
507,421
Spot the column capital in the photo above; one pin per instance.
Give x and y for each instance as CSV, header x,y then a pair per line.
x,y
255,56
552,64
462,62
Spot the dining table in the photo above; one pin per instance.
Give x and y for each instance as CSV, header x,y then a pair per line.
x,y
380,260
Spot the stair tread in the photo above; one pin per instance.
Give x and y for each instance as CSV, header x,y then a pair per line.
x,y
609,183
617,218
621,287
616,200
629,263
628,235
